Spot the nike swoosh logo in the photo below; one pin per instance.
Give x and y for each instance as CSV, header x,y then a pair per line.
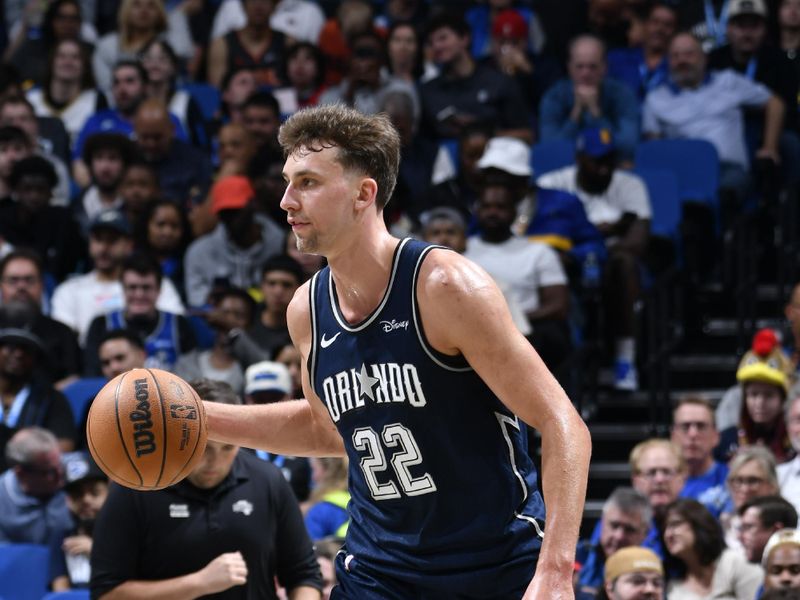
x,y
325,343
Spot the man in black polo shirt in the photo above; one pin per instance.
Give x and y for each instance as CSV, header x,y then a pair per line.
x,y
466,92
226,532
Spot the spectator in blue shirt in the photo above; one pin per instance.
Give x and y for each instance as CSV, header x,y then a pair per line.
x,y
644,68
128,90
695,432
589,99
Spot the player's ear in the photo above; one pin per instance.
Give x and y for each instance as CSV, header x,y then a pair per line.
x,y
367,192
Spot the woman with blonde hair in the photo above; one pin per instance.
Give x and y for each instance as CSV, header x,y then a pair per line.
x,y
327,513
139,23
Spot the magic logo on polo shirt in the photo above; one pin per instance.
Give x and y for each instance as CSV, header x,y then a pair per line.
x,y
179,511
243,506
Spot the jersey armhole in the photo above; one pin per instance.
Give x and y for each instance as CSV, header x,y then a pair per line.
x,y
311,361
451,363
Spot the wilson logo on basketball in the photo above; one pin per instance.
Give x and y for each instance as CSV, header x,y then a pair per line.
x,y
143,438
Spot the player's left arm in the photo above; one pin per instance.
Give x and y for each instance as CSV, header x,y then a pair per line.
x,y
464,312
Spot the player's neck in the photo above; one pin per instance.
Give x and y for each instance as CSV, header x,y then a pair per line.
x,y
361,272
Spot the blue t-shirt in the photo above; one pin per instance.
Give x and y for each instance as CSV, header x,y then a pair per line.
x,y
709,489
111,121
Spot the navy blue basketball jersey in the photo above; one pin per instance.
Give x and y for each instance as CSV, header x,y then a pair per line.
x,y
162,347
442,489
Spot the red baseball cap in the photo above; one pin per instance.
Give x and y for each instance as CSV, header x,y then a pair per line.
x,y
231,192
510,24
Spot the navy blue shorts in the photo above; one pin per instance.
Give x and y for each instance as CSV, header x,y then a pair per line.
x,y
358,582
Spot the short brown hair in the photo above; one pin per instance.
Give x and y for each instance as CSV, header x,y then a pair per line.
x,y
367,143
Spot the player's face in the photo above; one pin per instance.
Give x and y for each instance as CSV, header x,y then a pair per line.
x,y
753,534
694,431
215,465
764,402
119,356
141,293
783,568
21,282
621,529
86,498
644,585
658,476
319,199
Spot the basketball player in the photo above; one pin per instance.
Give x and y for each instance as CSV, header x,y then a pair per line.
x,y
415,371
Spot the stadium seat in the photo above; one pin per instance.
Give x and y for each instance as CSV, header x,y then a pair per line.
x,y
207,96
695,164
24,571
68,595
79,393
662,186
552,155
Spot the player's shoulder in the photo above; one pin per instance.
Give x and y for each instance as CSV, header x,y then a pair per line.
x,y
447,275
299,311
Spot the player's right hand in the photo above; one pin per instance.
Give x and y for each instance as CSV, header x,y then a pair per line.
x,y
224,572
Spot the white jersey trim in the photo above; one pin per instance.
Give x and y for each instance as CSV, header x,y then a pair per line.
x,y
371,318
312,357
418,324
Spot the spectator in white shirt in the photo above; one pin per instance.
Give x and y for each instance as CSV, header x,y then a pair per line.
x,y
789,472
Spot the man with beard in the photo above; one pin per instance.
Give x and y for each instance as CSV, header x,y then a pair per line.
x,y
166,335
21,294
26,400
107,156
80,299
618,204
86,488
237,248
696,104
128,91
531,271
184,172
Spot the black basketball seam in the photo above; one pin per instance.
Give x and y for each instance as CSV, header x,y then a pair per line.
x,y
197,402
163,427
119,428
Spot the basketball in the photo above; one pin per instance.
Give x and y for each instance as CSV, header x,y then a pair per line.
x,y
147,429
